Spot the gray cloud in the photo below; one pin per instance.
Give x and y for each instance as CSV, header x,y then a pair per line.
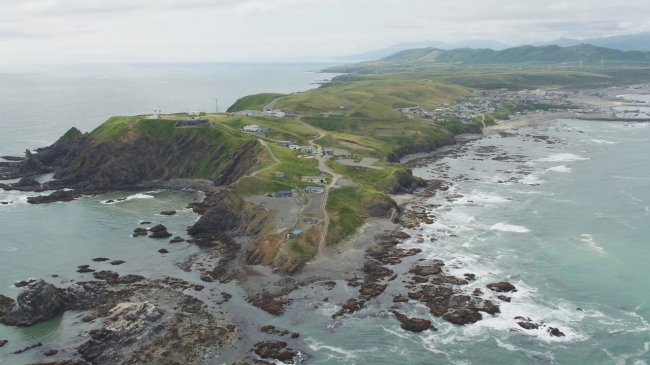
x,y
231,30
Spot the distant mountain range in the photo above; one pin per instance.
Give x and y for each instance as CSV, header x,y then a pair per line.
x,y
381,53
631,42
589,54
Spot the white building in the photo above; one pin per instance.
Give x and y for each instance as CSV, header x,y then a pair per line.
x,y
251,128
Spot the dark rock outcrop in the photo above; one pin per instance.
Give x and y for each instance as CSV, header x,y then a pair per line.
x,y
51,352
555,332
412,324
160,234
158,228
140,232
502,287
433,268
177,239
57,196
275,350
37,302
528,325
349,306
374,268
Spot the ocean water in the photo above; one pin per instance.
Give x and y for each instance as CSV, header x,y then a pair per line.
x,y
567,222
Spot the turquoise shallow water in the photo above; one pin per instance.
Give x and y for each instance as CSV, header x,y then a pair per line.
x,y
568,225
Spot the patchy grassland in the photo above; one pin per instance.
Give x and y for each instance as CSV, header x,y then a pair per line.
x,y
370,98
346,208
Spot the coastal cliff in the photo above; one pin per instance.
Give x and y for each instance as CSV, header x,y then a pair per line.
x,y
106,160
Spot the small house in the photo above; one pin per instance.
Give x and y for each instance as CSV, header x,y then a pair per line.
x,y
315,189
308,149
285,193
284,143
279,174
294,147
328,151
252,128
294,233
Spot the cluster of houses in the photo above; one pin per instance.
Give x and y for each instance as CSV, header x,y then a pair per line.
x,y
488,102
295,147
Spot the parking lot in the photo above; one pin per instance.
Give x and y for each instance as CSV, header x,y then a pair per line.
x,y
287,209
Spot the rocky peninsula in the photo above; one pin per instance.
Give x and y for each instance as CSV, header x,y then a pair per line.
x,y
174,321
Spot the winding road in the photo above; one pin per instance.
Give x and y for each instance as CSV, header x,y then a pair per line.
x,y
335,177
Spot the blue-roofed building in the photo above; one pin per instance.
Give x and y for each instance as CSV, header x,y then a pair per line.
x,y
295,233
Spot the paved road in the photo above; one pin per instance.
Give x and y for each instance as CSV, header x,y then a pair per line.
x,y
271,105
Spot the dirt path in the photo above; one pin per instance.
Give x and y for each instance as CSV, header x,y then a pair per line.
x,y
270,153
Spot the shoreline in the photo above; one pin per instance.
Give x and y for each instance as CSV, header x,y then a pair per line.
x,y
349,262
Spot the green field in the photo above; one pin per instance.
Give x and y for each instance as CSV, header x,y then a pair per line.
x,y
281,128
253,102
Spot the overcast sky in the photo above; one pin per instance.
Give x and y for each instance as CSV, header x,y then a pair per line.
x,y
65,31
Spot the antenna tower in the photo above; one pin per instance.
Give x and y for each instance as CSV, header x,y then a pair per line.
x,y
216,101
580,63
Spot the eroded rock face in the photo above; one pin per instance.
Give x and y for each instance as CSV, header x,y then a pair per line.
x,y
37,302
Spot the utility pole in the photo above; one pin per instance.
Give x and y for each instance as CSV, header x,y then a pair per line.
x,y
217,104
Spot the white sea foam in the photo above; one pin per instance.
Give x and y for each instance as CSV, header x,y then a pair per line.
x,y
509,228
622,359
632,178
602,141
560,168
336,352
130,197
530,180
562,157
588,239
481,197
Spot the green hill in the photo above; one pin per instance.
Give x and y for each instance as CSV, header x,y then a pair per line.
x,y
376,99
253,102
524,54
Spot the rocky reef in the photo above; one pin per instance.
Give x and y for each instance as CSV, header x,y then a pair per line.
x,y
143,321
